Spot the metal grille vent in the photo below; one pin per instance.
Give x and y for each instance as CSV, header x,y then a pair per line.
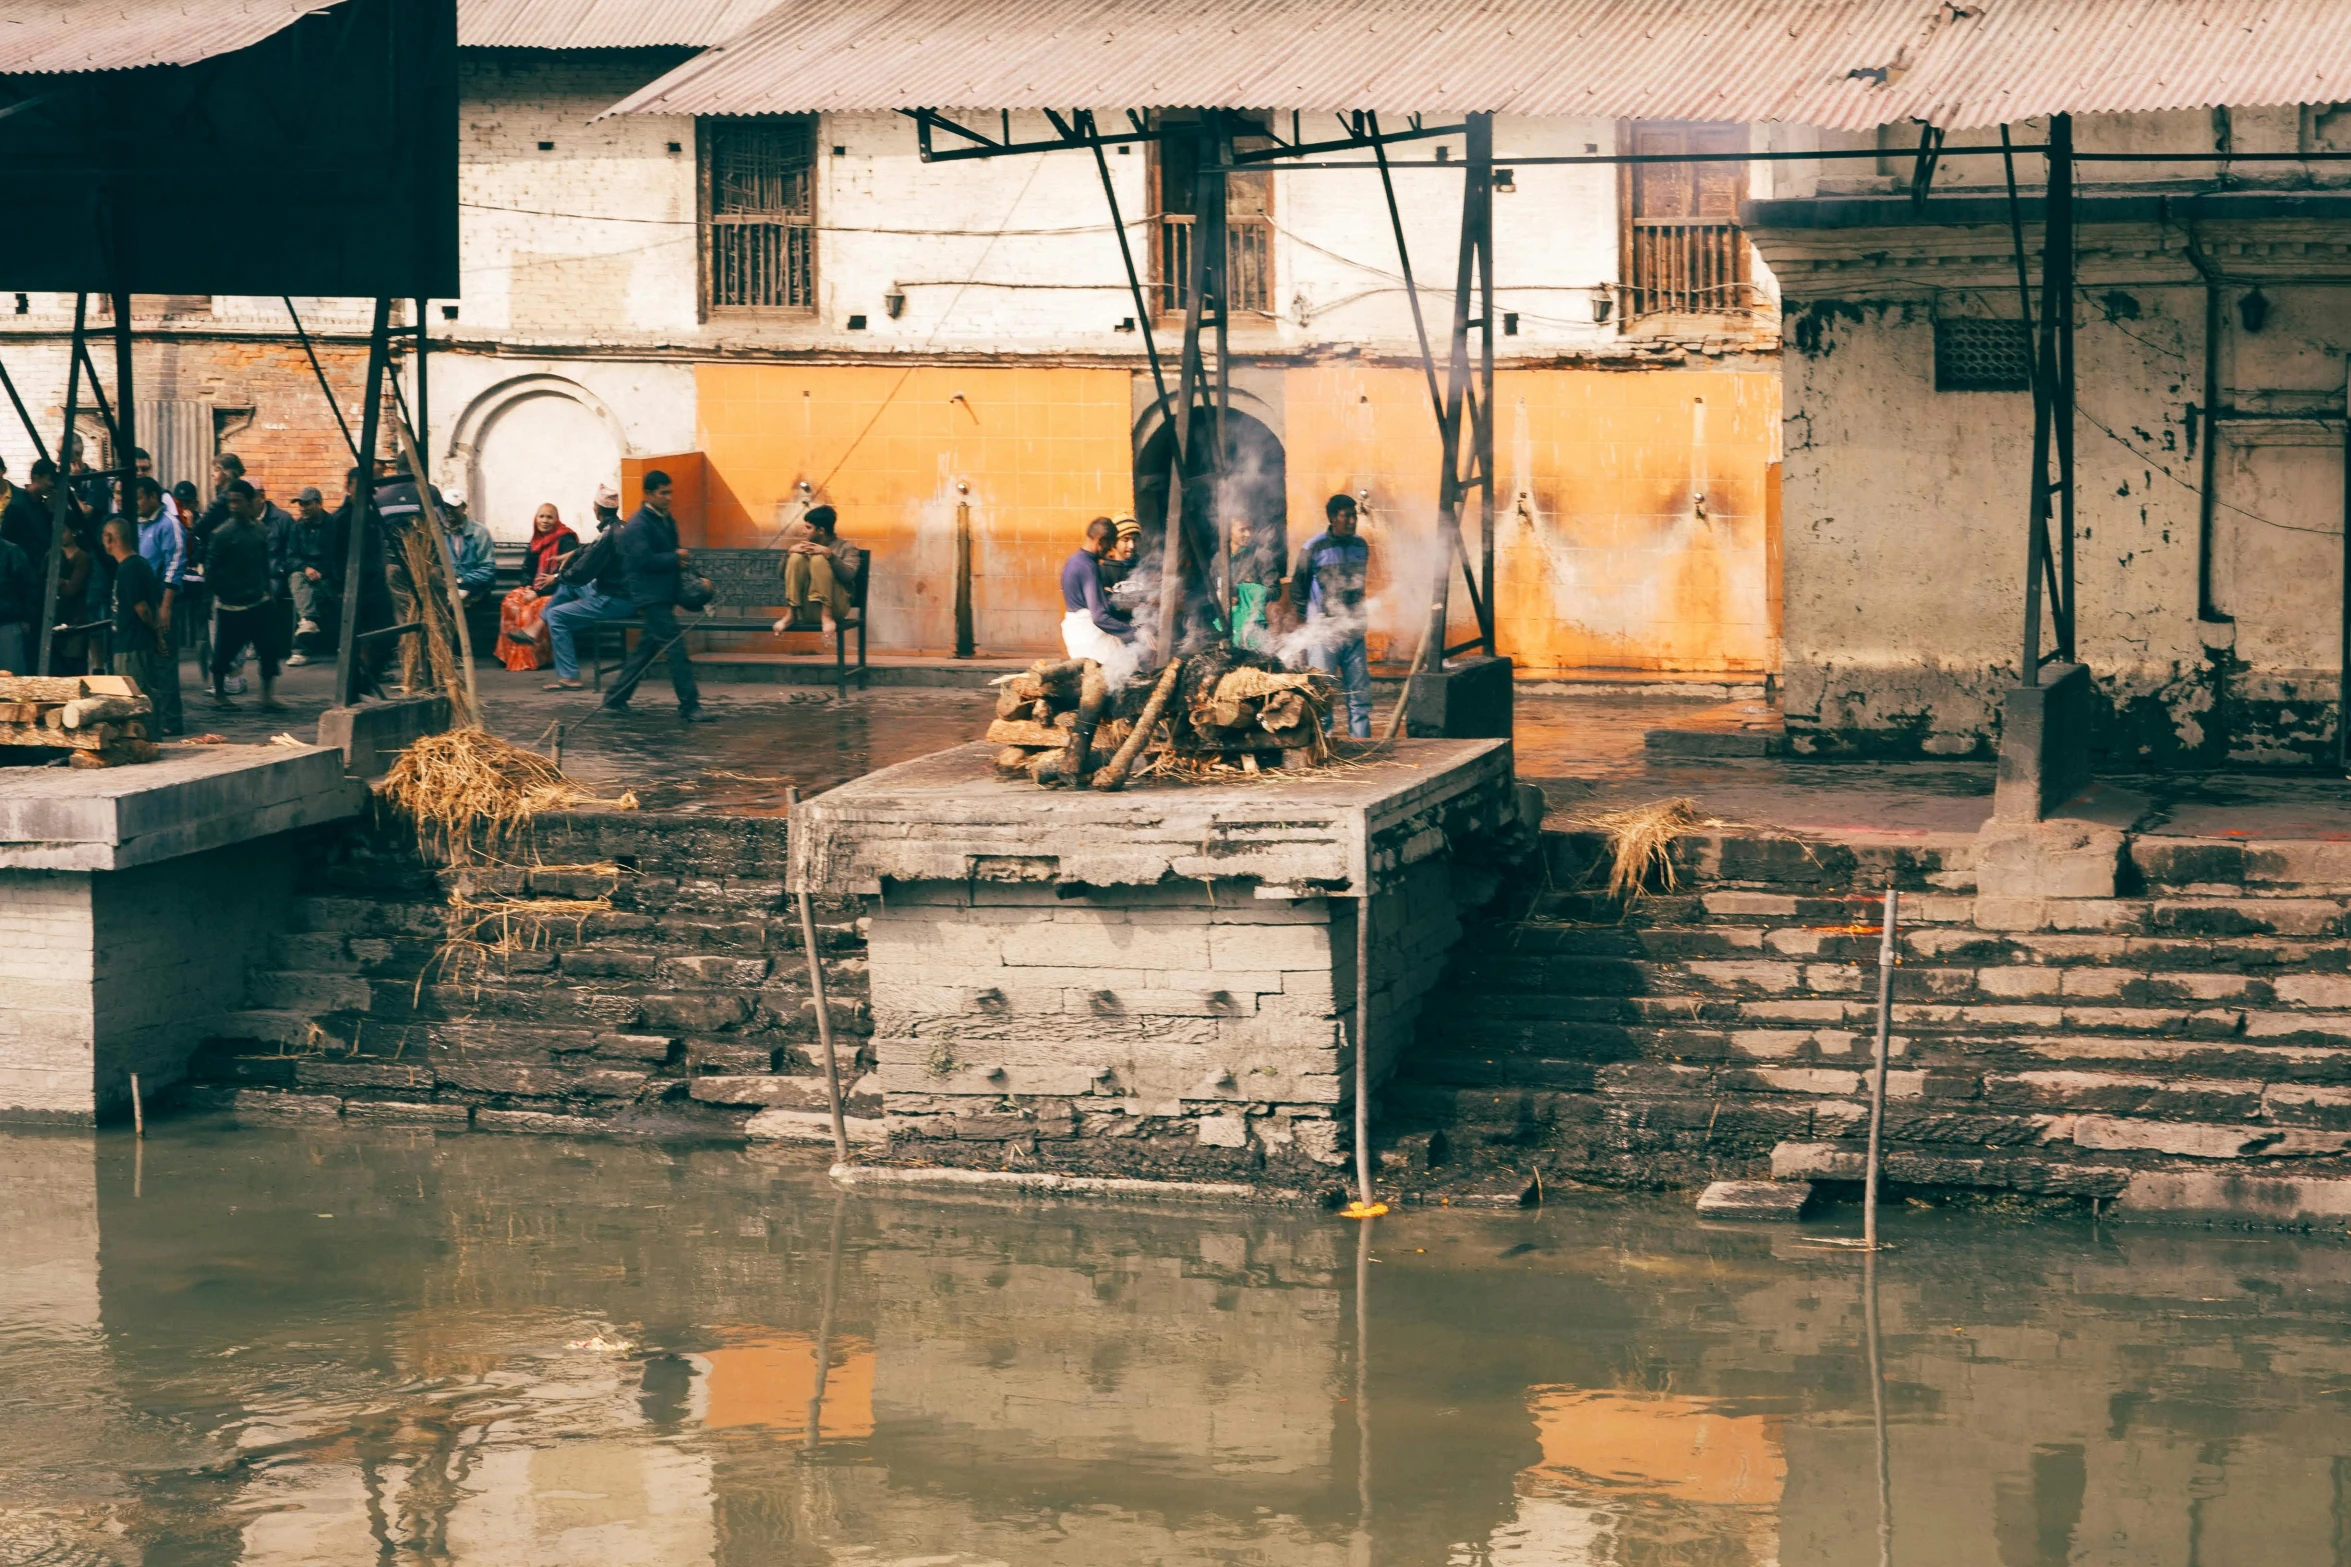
x,y
1974,355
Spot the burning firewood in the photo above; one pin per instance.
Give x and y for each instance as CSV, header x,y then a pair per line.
x,y
1218,711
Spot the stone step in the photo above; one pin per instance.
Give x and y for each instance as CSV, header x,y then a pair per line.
x,y
366,916
309,993
813,1126
793,1091
364,1036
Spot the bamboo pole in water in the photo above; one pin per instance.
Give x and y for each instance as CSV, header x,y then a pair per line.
x,y
824,1019
1877,1074
138,1111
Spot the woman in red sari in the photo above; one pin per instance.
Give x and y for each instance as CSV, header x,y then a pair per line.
x,y
522,627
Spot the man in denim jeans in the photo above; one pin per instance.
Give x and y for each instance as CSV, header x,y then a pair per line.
x,y
1327,592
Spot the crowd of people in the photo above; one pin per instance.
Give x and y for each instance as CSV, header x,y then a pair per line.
x,y
140,566
1317,610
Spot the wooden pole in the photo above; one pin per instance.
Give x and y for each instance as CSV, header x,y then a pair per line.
x,y
1362,1044
138,1111
824,1020
965,641
440,535
1877,1073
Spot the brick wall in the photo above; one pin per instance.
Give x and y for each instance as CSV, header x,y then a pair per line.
x,y
103,974
1175,1029
45,1026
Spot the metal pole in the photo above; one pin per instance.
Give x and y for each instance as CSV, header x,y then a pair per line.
x,y
362,502
824,1021
1420,328
24,415
1877,1074
325,390
1481,414
61,511
1126,254
424,390
966,641
2057,247
126,414
1363,1044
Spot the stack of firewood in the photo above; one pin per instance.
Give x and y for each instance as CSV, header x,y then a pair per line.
x,y
1037,715
97,720
1222,711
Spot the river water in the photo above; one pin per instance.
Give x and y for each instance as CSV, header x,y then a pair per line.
x,y
360,1345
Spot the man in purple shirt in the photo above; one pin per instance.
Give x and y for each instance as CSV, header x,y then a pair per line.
x,y
1090,626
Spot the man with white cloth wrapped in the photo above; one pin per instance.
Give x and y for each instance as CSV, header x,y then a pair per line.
x,y
1091,627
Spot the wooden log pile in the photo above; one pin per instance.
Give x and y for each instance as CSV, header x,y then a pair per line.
x,y
1058,723
96,720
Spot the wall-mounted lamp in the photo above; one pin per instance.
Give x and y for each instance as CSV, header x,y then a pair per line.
x,y
1603,305
1125,324
1506,179
1510,323
894,302
2253,310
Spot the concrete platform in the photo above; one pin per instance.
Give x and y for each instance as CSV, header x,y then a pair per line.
x,y
1159,982
194,798
951,817
131,900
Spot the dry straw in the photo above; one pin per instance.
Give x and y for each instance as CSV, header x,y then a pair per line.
x,y
471,793
1641,842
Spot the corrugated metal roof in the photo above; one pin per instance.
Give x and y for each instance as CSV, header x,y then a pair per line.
x,y
54,36
1838,64
603,24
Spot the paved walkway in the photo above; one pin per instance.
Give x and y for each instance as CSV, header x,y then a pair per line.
x,y
1585,751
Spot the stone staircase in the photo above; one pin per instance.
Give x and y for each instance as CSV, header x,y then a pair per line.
x,y
599,997
2198,1030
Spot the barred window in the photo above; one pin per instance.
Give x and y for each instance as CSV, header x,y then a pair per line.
x,y
759,200
1973,355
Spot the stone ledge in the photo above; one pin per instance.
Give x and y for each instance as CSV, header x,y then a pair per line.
x,y
1009,1182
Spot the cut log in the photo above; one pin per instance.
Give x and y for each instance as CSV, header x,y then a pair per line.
x,y
1013,759
42,688
90,739
21,712
1013,731
100,709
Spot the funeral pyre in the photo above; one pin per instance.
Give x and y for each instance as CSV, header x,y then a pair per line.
x,y
1225,712
93,720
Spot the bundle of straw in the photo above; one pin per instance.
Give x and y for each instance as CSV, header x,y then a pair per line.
x,y
1641,842
430,661
469,792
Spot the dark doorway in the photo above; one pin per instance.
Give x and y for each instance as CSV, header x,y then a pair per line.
x,y
1255,485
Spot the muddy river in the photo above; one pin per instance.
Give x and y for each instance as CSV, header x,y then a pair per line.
x,y
350,1346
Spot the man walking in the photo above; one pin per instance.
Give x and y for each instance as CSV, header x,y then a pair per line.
x,y
650,554
1327,592
593,586
237,570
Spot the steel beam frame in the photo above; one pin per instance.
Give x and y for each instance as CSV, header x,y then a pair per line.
x,y
371,409
2050,505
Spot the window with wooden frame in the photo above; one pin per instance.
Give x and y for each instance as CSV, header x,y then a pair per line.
x,y
1680,249
759,213
1248,205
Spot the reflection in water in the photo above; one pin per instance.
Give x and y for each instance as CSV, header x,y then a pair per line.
x,y
328,1346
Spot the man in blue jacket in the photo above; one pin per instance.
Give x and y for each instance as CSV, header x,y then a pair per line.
x,y
650,556
1327,592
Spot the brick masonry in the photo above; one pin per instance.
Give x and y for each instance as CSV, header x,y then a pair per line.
x,y
113,972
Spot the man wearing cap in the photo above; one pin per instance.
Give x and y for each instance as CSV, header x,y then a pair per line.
x,y
310,550
470,542
594,586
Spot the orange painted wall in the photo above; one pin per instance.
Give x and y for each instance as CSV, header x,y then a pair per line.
x,y
1041,450
1634,531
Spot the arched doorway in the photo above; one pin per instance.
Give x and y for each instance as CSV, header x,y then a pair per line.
x,y
535,439
1255,485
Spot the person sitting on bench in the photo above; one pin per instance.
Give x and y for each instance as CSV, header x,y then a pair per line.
x,y
819,570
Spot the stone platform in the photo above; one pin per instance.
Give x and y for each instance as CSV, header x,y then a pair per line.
x,y
1156,982
131,900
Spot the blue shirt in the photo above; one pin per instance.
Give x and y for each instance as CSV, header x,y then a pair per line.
x,y
1330,576
160,543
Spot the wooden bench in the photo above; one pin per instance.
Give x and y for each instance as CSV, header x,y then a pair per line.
x,y
750,598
